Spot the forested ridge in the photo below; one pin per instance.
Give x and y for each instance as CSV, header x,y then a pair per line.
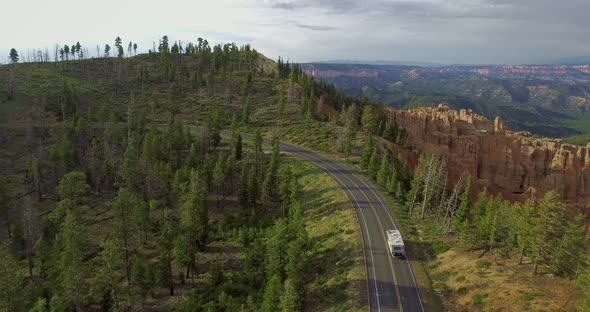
x,y
128,169
119,173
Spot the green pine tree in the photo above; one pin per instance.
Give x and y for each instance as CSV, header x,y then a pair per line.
x,y
367,152
384,171
273,291
373,164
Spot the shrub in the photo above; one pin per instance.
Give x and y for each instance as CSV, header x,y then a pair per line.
x,y
483,264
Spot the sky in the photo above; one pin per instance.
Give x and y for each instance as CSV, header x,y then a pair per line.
x,y
438,31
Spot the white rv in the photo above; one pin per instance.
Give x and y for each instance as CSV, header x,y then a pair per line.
x,y
395,242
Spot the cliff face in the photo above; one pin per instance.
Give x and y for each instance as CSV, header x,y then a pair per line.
x,y
511,163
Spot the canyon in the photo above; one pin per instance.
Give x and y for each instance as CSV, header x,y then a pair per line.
x,y
548,100
517,165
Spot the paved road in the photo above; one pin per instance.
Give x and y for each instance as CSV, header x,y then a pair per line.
x,y
390,281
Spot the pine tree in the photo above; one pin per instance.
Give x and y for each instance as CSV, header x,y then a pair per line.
x,y
214,127
384,172
282,104
11,281
243,187
277,239
192,159
247,111
373,164
67,153
349,135
96,165
526,226
73,245
479,218
583,282
131,172
193,227
272,294
13,56
291,297
367,152
140,275
570,248
40,306
295,267
5,203
165,245
399,191
219,176
207,170
141,220
237,145
252,186
461,218
73,187
105,285
551,212
125,204
257,148
392,181
368,120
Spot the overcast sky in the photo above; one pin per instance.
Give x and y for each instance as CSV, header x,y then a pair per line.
x,y
444,31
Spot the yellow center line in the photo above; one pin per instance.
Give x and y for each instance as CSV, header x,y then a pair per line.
x,y
385,240
380,226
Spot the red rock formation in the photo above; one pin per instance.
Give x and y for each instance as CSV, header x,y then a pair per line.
x,y
515,164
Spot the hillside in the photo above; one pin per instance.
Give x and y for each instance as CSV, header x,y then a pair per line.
x,y
126,184
547,100
156,182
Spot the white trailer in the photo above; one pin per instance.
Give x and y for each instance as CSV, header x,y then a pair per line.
x,y
395,242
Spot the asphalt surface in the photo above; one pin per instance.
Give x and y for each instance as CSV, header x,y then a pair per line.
x,y
390,281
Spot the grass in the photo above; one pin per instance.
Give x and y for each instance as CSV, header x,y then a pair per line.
x,y
580,123
478,299
483,264
339,282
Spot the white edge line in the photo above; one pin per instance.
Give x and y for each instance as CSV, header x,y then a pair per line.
x,y
406,257
364,221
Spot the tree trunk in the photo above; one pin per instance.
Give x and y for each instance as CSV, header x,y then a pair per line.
x,y
38,192
8,228
521,256
170,277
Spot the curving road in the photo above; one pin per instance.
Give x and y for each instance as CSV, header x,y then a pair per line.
x,y
390,281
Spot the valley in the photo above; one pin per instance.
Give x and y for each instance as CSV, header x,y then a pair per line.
x,y
547,100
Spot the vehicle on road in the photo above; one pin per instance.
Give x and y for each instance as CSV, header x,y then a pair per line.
x,y
396,243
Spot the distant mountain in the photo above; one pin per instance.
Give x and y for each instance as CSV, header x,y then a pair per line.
x,y
549,100
580,60
397,63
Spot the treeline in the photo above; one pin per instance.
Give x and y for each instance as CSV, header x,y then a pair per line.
x,y
544,232
150,188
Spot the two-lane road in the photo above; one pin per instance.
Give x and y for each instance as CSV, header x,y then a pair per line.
x,y
390,281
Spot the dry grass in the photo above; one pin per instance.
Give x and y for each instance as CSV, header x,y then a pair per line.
x,y
471,284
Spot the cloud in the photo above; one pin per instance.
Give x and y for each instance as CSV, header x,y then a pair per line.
x,y
452,31
316,28
284,6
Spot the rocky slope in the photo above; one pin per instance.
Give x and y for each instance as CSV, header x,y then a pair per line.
x,y
515,164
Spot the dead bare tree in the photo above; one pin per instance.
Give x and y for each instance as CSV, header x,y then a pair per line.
x,y
452,205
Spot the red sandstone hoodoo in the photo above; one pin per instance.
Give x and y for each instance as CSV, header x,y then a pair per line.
x,y
515,164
